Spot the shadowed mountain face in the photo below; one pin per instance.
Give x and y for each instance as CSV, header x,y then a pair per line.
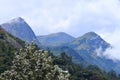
x,y
19,28
55,39
6,38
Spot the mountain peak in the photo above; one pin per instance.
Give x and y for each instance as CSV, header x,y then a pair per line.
x,y
91,34
90,41
20,29
60,34
16,20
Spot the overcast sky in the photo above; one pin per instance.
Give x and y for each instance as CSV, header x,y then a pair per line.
x,y
72,16
75,17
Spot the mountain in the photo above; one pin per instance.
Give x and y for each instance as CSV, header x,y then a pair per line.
x,y
56,43
8,46
69,51
55,39
89,43
90,47
87,49
20,29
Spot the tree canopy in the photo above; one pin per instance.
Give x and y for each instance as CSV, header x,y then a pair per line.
x,y
31,63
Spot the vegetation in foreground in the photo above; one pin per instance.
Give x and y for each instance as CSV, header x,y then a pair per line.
x,y
80,72
32,64
8,46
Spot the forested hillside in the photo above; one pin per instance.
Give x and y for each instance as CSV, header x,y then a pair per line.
x,y
8,46
76,71
80,72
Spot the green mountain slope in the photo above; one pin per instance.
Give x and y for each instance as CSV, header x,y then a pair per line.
x,y
89,46
85,48
8,45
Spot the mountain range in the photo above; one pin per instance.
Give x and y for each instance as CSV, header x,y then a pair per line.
x,y
55,39
83,49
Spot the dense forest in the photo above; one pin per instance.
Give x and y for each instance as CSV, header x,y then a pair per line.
x,y
8,46
81,72
76,71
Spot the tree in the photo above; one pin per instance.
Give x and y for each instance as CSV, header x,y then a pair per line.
x,y
33,64
112,74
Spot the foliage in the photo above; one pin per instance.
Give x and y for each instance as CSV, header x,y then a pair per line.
x,y
33,64
80,72
6,55
8,45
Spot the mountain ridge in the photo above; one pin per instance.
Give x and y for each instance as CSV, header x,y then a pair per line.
x,y
85,47
55,39
20,29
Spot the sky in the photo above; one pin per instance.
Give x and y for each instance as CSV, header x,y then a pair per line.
x,y
74,17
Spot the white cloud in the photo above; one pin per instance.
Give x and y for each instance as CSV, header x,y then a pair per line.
x,y
98,52
74,17
114,39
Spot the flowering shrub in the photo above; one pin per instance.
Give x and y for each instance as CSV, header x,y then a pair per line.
x,y
33,64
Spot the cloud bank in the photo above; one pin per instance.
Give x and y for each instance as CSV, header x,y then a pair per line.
x,y
74,17
114,39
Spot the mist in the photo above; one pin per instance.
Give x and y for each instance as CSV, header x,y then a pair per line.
x,y
113,38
